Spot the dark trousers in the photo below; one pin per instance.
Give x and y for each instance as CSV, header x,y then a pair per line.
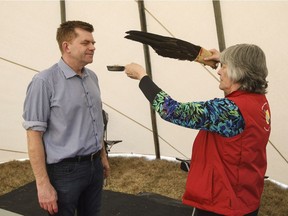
x,y
79,187
199,212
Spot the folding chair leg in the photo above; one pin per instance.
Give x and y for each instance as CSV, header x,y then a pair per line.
x,y
193,212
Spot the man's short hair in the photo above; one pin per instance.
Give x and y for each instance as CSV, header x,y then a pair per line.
x,y
66,31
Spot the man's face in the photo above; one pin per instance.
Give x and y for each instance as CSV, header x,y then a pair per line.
x,y
81,49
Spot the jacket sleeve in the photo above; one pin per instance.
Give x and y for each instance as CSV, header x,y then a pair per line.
x,y
149,88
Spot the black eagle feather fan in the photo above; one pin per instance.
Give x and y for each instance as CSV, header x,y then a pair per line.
x,y
172,47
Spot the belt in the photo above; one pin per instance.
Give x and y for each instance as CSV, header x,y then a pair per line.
x,y
90,157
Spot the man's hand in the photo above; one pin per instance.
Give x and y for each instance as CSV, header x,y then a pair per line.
x,y
105,162
106,166
47,197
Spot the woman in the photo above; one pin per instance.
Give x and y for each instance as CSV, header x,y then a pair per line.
x,y
228,161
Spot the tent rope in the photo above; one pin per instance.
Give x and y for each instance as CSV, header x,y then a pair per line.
x,y
13,151
278,151
15,63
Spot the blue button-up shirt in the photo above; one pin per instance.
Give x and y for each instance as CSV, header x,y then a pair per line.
x,y
68,109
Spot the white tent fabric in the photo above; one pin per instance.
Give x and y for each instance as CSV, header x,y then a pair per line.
x,y
27,39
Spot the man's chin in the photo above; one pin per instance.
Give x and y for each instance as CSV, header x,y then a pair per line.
x,y
89,61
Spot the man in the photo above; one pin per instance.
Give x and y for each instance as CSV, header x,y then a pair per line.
x,y
63,119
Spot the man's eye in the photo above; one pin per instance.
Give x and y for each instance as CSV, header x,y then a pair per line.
x,y
87,43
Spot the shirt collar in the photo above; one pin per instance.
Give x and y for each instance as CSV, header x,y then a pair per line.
x,y
68,71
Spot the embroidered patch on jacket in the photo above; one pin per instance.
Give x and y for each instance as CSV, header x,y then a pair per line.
x,y
265,109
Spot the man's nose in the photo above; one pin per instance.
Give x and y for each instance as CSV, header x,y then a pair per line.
x,y
92,46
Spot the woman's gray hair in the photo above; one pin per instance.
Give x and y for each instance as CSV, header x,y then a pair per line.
x,y
246,66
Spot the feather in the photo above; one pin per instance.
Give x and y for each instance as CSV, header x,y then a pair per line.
x,y
171,47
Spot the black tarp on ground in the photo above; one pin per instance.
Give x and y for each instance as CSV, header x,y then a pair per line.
x,y
24,201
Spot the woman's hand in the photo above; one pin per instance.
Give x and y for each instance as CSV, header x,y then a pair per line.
x,y
215,55
135,71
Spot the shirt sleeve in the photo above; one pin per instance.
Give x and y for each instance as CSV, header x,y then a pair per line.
x,y
36,106
219,115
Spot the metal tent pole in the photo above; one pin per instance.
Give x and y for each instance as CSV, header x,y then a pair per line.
x,y
141,8
63,11
219,24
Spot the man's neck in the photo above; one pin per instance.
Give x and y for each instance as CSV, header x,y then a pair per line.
x,y
78,69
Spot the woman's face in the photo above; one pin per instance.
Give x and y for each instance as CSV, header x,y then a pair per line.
x,y
226,84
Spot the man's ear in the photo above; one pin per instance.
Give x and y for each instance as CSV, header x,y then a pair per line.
x,y
65,47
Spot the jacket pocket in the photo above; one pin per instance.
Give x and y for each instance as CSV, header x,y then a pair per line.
x,y
199,186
